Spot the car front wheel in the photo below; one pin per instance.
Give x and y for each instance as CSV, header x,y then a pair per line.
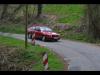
x,y
56,40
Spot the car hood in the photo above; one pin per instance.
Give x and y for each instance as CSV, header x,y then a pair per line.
x,y
50,33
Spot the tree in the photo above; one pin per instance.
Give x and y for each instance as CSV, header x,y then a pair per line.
x,y
39,10
4,11
93,20
15,11
26,26
9,12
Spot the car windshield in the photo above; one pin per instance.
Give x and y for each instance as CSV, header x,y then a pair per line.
x,y
46,29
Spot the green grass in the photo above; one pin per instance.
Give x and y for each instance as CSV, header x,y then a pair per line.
x,y
33,53
70,14
77,36
66,13
13,28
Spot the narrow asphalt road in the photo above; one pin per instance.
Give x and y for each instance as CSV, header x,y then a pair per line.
x,y
81,56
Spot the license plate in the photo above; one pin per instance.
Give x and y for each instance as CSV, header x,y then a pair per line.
x,y
55,37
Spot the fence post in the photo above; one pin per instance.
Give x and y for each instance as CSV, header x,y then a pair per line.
x,y
33,39
45,61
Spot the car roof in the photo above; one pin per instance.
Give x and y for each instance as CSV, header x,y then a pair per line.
x,y
39,25
42,26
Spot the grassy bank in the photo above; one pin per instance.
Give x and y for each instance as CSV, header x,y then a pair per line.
x,y
70,14
65,13
12,28
28,57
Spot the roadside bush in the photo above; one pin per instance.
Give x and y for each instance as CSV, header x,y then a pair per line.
x,y
10,57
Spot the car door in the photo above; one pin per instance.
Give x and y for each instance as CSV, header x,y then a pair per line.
x,y
37,32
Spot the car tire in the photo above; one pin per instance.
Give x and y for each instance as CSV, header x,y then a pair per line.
x,y
44,38
56,40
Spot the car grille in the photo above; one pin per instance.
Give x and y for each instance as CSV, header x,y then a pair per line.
x,y
55,36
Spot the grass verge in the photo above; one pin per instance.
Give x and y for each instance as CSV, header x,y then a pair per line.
x,y
32,56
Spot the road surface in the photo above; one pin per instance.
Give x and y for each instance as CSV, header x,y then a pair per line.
x,y
81,56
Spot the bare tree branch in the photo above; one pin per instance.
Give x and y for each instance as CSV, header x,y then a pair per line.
x,y
4,11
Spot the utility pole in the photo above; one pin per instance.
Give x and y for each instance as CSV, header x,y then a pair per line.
x,y
26,20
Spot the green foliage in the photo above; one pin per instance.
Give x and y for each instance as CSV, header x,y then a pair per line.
x,y
13,28
68,13
33,55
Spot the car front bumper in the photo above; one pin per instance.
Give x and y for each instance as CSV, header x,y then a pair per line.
x,y
52,38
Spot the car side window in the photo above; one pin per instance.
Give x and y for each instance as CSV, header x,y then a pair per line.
x,y
32,28
37,29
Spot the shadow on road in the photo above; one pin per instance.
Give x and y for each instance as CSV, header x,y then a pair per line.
x,y
48,41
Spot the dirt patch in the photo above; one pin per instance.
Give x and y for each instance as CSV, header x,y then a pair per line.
x,y
10,58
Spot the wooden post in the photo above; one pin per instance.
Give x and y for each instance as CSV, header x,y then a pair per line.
x,y
26,25
33,39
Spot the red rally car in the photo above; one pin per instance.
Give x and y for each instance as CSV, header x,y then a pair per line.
x,y
42,32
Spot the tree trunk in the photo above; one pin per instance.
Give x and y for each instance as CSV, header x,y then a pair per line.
x,y
4,11
39,10
26,26
15,12
93,20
